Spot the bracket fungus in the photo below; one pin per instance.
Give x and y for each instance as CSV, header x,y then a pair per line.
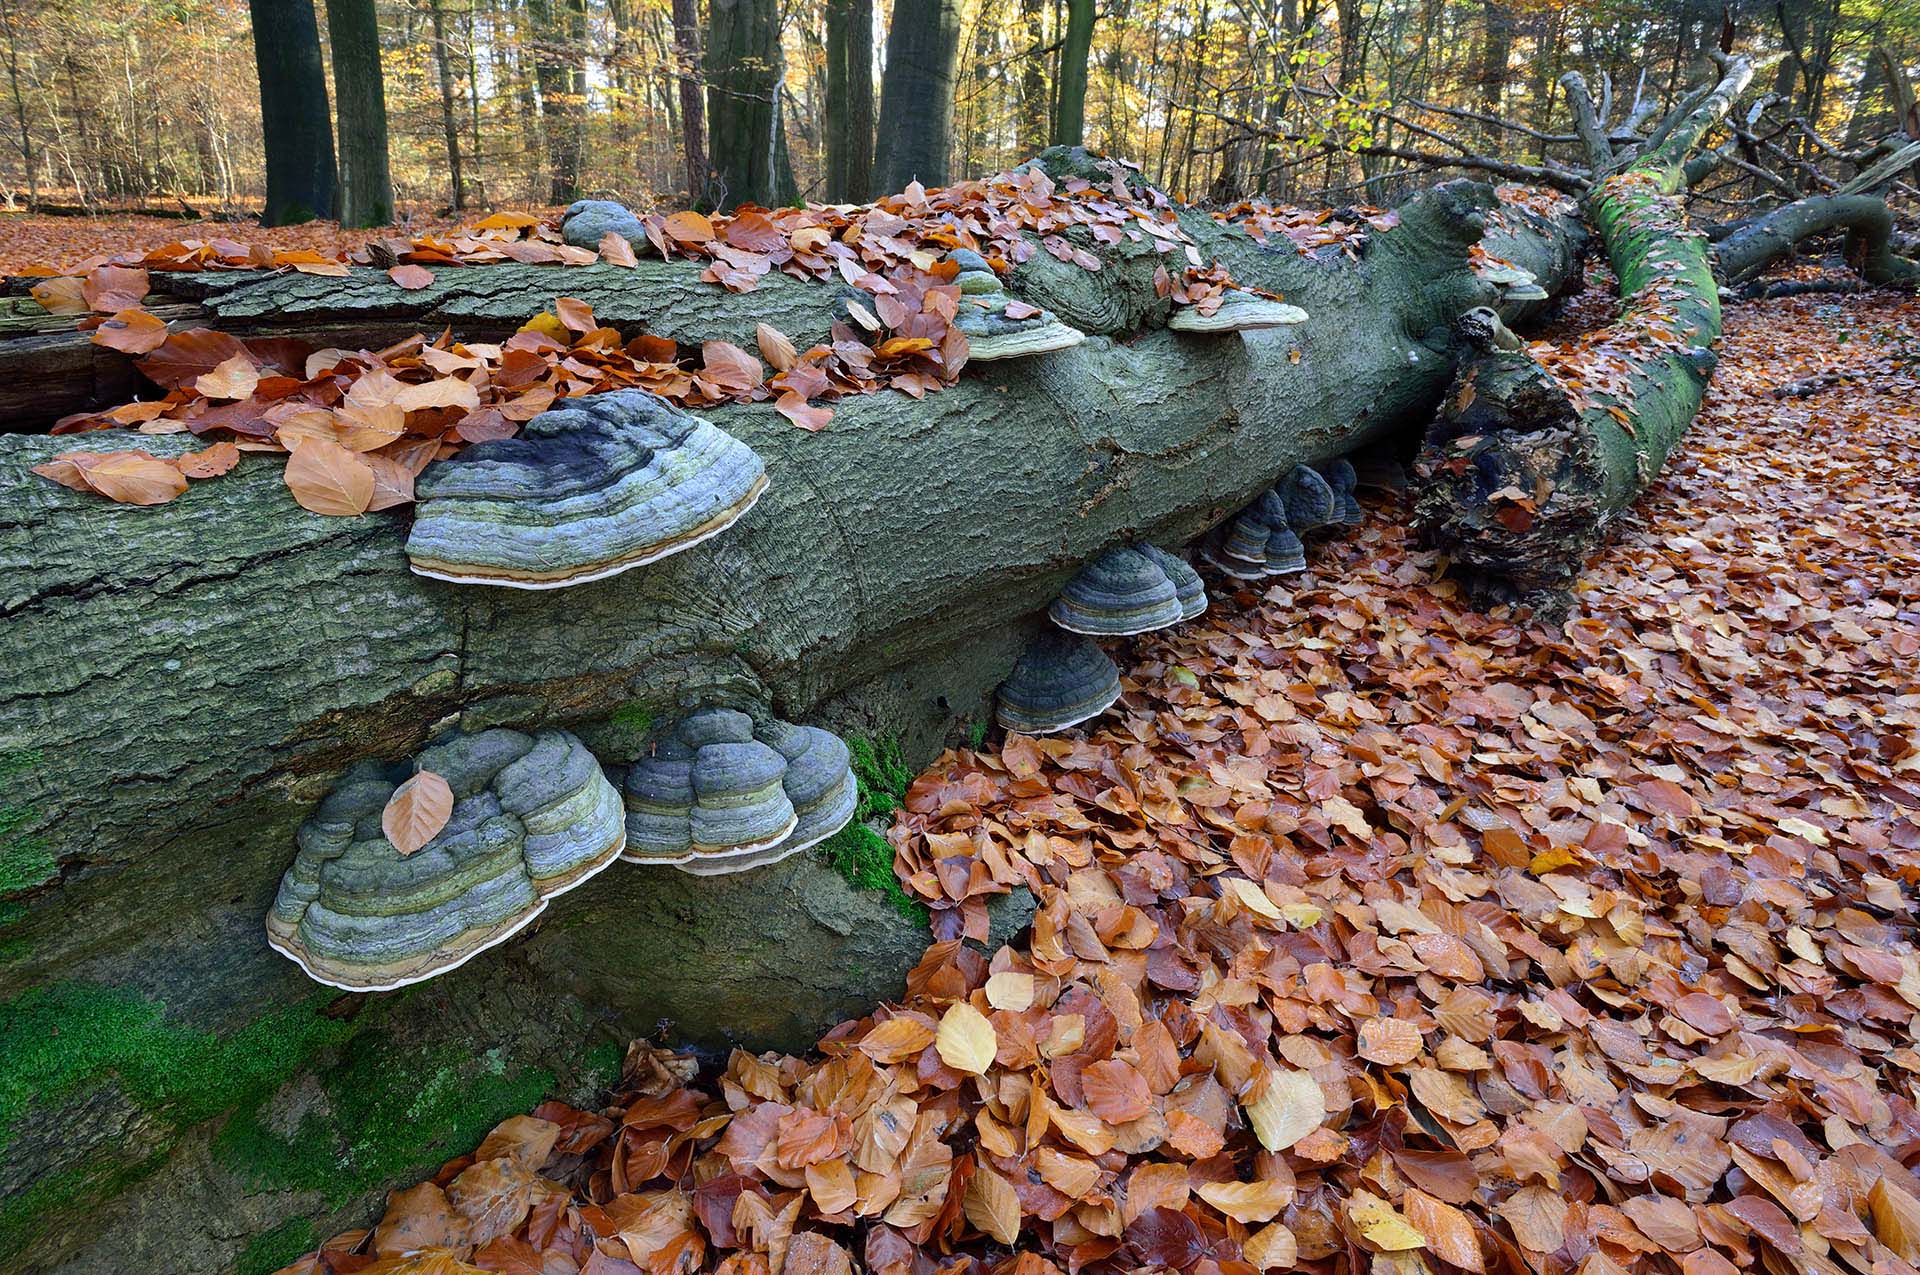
x,y
1121,592
1187,585
1241,549
587,221
533,816
1514,283
721,794
1060,680
998,325
1343,479
585,491
1238,311
1286,555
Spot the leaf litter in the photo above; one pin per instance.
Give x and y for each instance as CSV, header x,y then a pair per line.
x,y
1373,932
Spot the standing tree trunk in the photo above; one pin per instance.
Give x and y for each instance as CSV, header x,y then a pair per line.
x,y
1070,121
568,139
27,155
693,119
849,100
295,129
449,124
743,70
916,95
1033,78
366,189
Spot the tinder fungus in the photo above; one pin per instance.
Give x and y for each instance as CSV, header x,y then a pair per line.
x,y
1187,584
1120,592
1000,326
1239,311
1060,680
532,816
585,491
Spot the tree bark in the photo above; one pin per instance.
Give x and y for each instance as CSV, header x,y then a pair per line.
x,y
849,100
693,117
366,189
185,682
449,122
294,121
1521,480
1748,251
743,67
1070,119
916,94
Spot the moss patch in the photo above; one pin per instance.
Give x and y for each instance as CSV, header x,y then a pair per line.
x,y
56,1040
268,1252
387,1111
25,858
859,853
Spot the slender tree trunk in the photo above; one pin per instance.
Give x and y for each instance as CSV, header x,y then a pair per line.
x,y
1070,121
1033,78
849,100
693,119
916,94
568,139
448,121
743,68
366,188
295,126
27,155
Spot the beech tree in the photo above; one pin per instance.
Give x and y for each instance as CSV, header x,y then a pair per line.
x,y
849,175
366,189
916,94
743,67
294,126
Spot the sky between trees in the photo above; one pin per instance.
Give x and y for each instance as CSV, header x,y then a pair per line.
x,y
158,102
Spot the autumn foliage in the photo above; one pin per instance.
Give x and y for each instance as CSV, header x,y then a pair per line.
x,y
1374,931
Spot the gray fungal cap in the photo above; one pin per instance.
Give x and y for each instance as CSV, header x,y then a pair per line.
x,y
586,491
1286,555
1120,592
1060,680
983,318
1342,479
1309,499
1186,581
721,793
533,816
587,221
1241,550
1239,311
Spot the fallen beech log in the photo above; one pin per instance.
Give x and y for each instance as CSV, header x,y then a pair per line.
x,y
186,681
1749,251
1522,475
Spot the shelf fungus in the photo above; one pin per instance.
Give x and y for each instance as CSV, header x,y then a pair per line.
x,y
998,325
1241,549
1060,680
719,794
585,491
1514,283
1123,591
587,222
1286,554
1343,479
1238,311
1187,585
532,817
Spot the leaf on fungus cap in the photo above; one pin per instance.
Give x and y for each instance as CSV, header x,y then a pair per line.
x,y
417,811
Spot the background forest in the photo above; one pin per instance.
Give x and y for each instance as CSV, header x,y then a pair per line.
x,y
518,102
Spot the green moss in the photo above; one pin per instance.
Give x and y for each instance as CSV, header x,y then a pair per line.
x,y
58,1039
389,1112
860,854
883,776
630,726
25,858
270,1251
976,735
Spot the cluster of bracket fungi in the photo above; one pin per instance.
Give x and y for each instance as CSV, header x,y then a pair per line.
x,y
602,485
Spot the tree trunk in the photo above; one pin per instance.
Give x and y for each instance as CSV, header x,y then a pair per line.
x,y
294,121
916,94
1748,251
743,67
1034,116
849,100
1070,119
1522,480
366,190
186,681
693,120
449,122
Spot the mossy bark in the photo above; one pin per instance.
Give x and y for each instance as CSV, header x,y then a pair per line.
x,y
186,681
1518,481
1748,251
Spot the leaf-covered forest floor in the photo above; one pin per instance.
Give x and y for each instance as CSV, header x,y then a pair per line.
x,y
1376,930
31,241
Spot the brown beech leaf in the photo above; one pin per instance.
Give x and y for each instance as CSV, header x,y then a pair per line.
x,y
112,289
775,348
326,478
131,332
233,378
966,1041
1115,1092
411,277
992,1206
689,227
417,811
208,462
1449,1231
127,477
1247,1202
800,412
616,251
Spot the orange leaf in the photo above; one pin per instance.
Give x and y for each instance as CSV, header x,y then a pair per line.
x,y
418,809
234,378
131,332
209,462
411,277
689,227
616,251
111,289
326,478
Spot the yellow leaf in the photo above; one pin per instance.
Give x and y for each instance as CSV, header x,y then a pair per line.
x,y
547,324
1251,897
1247,1202
1290,1107
1010,991
1381,1224
992,1206
1301,916
966,1040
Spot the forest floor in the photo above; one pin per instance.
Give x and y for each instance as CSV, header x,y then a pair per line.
x,y
31,241
1375,926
